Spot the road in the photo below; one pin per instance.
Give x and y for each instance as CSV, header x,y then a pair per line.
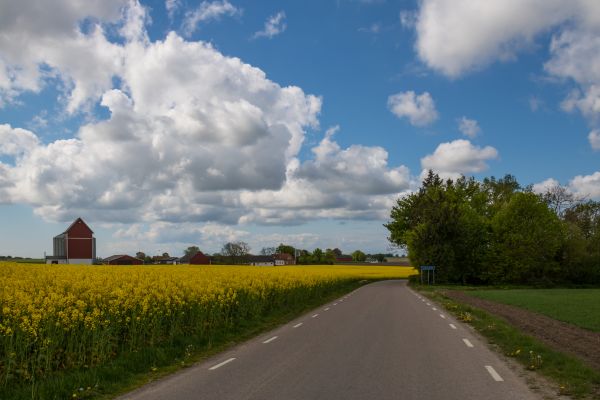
x,y
382,341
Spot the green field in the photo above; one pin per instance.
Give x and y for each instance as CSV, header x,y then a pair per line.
x,y
579,307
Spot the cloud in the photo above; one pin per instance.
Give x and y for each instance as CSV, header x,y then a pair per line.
x,y
172,6
40,41
458,157
15,142
207,11
193,136
594,138
419,109
374,28
469,127
274,25
587,186
460,36
544,186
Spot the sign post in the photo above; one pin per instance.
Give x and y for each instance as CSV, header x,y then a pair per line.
x,y
428,268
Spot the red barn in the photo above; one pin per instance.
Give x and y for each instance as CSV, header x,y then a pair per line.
x,y
197,259
76,245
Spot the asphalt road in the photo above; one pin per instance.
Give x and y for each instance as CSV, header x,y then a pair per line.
x,y
382,341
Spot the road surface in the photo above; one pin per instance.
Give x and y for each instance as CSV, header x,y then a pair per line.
x,y
382,341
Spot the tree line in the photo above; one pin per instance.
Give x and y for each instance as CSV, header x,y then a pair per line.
x,y
498,232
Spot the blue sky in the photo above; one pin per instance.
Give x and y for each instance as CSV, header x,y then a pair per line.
x,y
170,123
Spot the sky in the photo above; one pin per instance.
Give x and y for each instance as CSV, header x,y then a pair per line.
x,y
165,124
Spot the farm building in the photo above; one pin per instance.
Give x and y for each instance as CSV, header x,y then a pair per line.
x,y
263,261
284,259
198,258
122,259
76,245
165,260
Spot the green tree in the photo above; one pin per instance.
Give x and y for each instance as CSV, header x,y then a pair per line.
x,y
236,252
317,256
358,255
526,238
190,251
283,248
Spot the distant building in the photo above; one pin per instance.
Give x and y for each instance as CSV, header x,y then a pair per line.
x,y
165,260
284,259
263,261
343,258
122,259
76,245
198,258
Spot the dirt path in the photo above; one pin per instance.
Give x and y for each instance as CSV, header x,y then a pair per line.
x,y
561,336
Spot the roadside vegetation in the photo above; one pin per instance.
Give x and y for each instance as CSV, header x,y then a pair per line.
x,y
497,232
74,331
572,377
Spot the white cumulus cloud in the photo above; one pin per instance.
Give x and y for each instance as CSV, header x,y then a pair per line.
x,y
586,186
419,109
458,157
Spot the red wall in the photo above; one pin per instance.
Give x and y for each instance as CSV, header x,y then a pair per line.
x,y
79,242
199,258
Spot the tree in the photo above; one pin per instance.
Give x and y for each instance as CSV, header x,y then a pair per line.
x,y
236,251
558,198
141,255
283,248
526,237
359,256
190,251
268,251
166,255
337,252
317,256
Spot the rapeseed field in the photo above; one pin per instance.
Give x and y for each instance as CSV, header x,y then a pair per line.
x,y
67,317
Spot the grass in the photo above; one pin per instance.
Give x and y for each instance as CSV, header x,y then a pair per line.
x,y
131,370
571,375
579,307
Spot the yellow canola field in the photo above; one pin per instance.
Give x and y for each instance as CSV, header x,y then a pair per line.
x,y
58,317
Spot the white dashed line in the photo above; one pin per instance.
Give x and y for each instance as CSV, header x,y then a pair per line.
x,y
270,340
443,316
493,373
468,343
221,364
327,309
335,304
315,315
298,325
434,309
429,304
452,326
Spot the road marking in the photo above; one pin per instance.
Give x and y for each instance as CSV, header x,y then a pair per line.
x,y
315,316
434,309
493,373
443,316
468,343
270,340
327,309
429,304
335,304
452,326
297,325
221,364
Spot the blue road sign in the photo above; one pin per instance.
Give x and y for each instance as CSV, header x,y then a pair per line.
x,y
427,268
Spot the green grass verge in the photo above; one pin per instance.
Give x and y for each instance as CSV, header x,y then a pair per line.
x,y
571,375
579,307
131,370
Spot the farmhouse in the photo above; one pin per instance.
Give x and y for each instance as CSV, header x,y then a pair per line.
x,y
76,245
122,259
284,259
263,261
